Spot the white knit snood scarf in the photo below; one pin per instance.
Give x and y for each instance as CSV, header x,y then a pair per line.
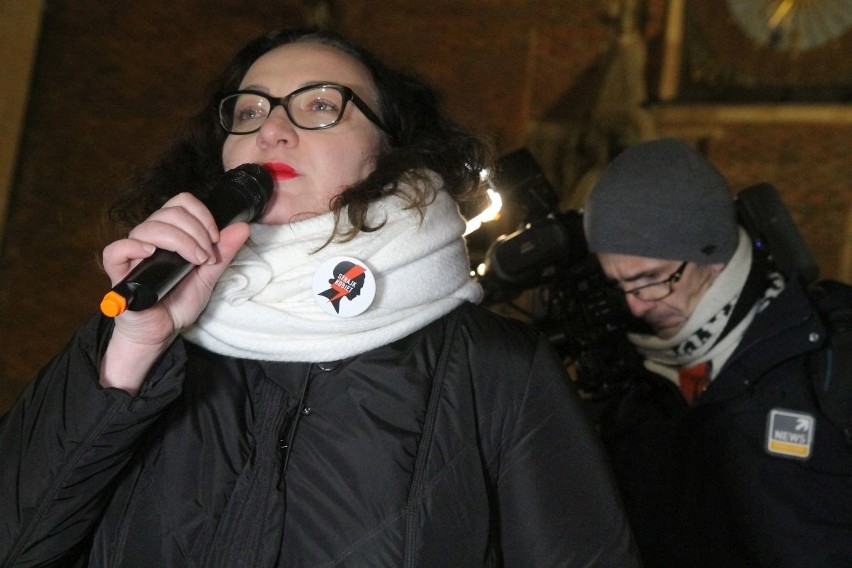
x,y
264,308
700,339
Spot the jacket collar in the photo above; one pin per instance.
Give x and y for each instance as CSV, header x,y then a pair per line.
x,y
787,328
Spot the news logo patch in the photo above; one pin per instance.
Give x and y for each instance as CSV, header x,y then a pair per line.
x,y
789,433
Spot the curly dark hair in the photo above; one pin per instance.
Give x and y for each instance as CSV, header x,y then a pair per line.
x,y
421,137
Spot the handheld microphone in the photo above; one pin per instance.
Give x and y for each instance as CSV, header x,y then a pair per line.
x,y
240,195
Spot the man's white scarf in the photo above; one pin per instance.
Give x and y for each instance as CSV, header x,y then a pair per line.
x,y
700,339
264,307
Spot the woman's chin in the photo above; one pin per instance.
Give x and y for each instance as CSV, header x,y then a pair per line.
x,y
285,217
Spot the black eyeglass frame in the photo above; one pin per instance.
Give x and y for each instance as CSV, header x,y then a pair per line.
x,y
347,93
671,281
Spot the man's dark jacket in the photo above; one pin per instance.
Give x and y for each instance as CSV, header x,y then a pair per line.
x,y
701,487
460,445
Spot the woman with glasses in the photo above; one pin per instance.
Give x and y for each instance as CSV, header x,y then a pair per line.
x,y
322,389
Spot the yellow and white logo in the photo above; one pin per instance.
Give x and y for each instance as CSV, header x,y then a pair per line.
x,y
789,433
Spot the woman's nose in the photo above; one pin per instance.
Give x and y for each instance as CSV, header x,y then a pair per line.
x,y
277,128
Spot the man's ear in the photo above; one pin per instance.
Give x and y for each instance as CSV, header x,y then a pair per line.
x,y
715,269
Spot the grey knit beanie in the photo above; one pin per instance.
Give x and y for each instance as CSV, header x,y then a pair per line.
x,y
662,199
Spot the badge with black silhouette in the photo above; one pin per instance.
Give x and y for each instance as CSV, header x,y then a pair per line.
x,y
344,286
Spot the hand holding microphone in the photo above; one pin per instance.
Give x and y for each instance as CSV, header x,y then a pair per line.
x,y
240,195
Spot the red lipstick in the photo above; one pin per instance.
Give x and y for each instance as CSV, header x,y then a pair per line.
x,y
280,171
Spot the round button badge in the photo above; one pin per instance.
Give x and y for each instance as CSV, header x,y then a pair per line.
x,y
343,286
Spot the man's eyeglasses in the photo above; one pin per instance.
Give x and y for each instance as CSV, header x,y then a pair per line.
x,y
657,291
312,107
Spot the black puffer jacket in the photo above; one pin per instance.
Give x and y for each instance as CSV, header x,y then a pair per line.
x,y
460,445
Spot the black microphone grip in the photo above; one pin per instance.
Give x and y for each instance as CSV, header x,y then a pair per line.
x,y
240,195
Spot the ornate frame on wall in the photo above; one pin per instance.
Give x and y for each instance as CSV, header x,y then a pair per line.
x,y
767,51
750,51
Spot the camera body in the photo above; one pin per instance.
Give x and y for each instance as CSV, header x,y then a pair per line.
x,y
545,270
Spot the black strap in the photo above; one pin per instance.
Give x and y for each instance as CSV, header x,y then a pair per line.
x,y
415,493
833,376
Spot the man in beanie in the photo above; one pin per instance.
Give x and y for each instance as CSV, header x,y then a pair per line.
x,y
722,448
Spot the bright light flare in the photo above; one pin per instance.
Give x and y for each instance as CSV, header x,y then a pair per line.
x,y
491,212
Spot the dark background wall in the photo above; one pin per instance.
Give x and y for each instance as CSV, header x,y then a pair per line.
x,y
113,82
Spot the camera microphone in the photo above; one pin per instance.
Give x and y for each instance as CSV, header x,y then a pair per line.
x,y
241,194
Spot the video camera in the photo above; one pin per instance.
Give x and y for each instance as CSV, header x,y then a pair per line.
x,y
546,262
